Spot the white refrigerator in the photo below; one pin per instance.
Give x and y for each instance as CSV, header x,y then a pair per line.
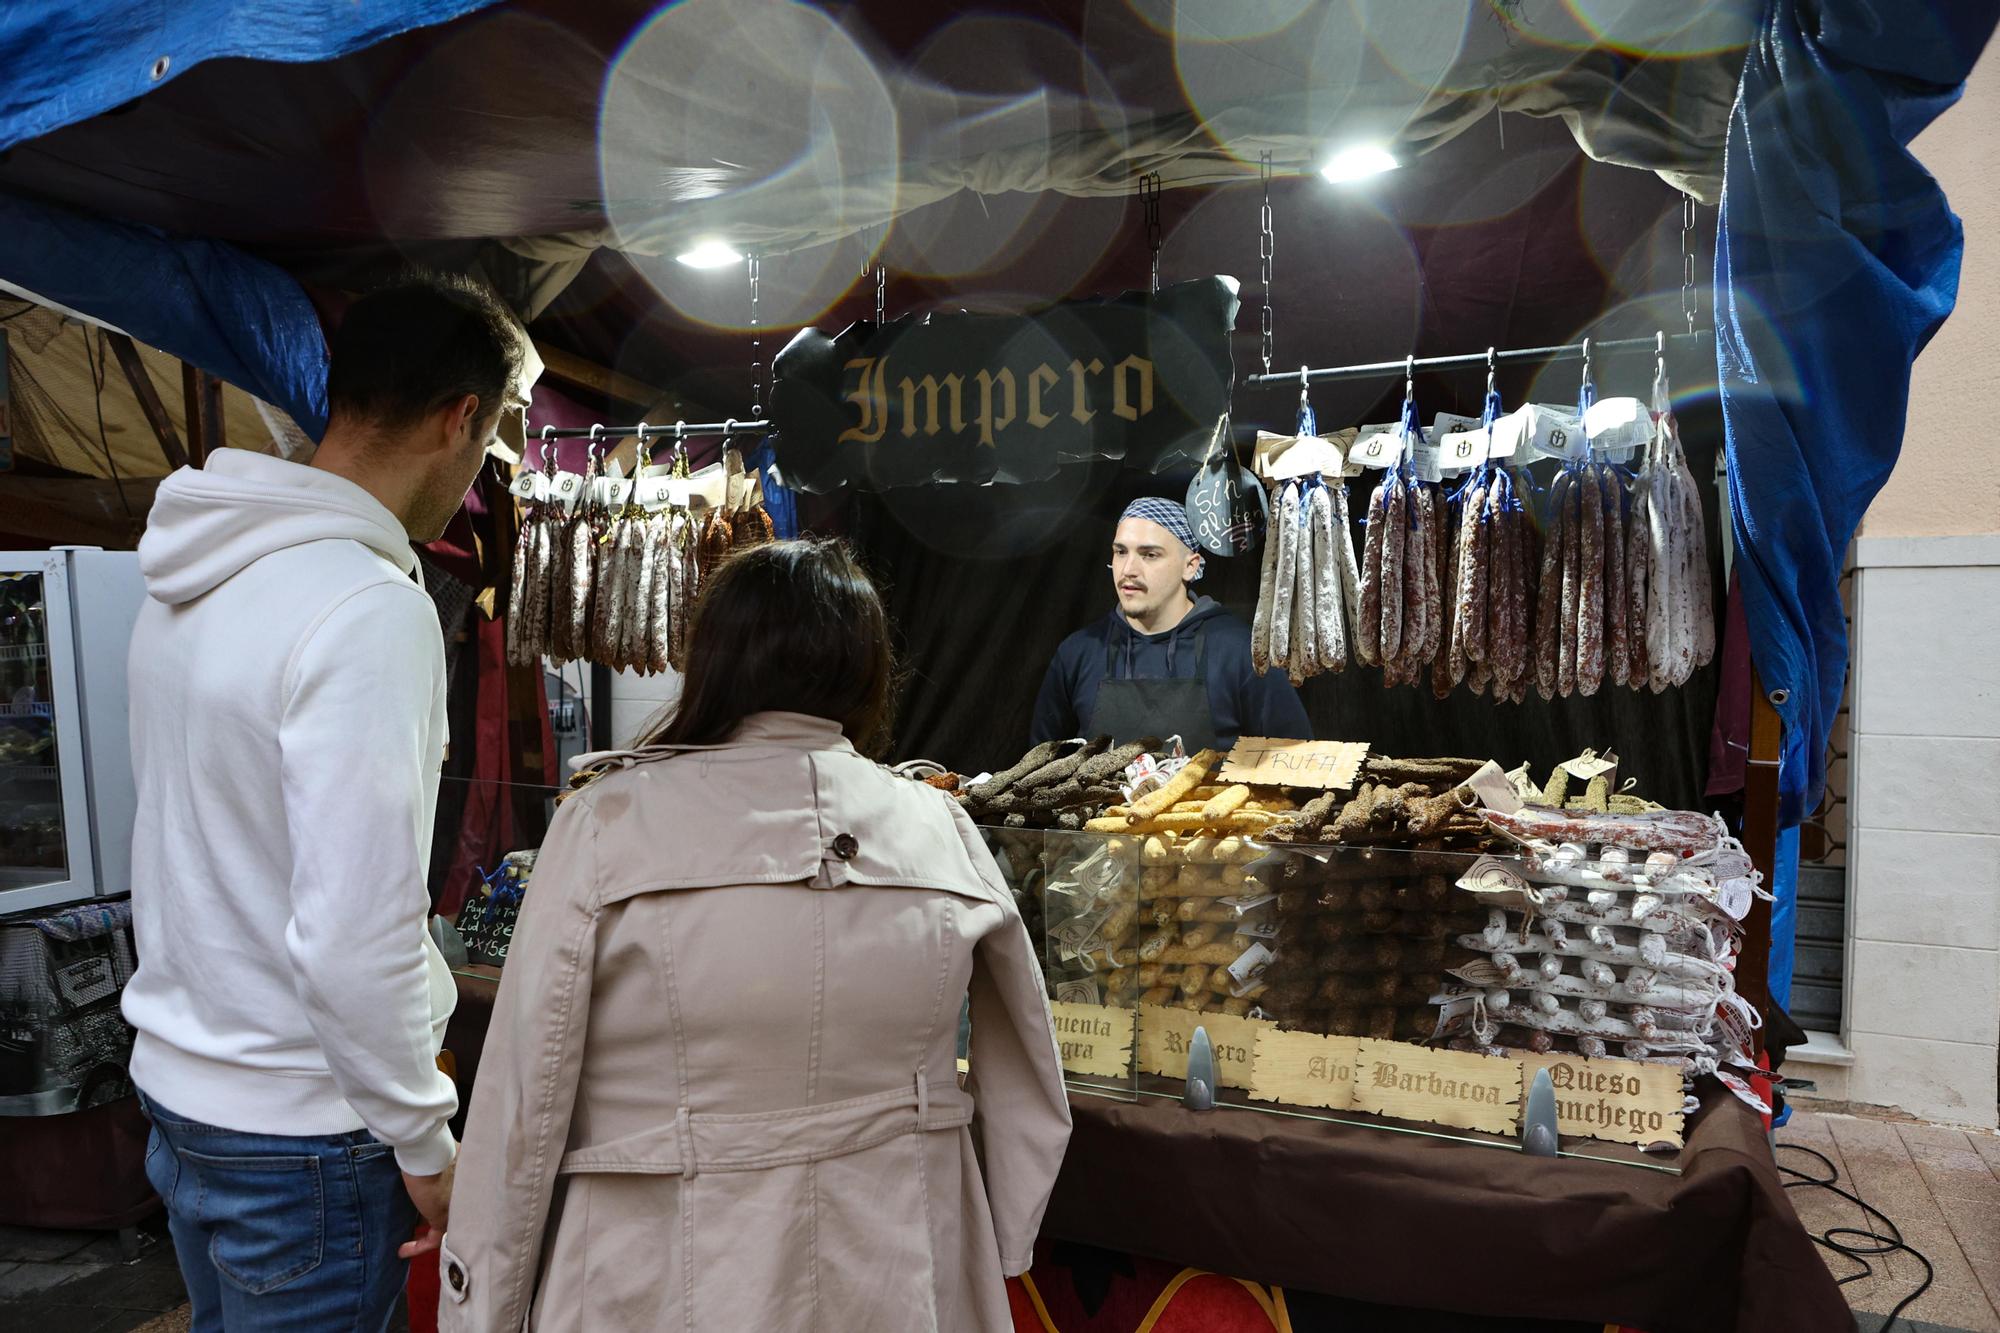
x,y
66,793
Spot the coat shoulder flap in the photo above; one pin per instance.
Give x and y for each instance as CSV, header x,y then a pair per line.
x,y
774,815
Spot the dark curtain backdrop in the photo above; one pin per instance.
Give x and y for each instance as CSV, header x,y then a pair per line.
x,y
984,583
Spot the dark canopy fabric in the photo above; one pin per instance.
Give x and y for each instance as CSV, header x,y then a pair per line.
x,y
1837,259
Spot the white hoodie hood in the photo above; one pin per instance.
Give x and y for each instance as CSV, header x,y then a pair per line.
x,y
207,526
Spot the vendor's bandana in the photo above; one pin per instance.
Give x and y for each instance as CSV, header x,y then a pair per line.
x,y
1169,515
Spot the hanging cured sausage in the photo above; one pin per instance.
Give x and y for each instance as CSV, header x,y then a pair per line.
x,y
613,580
1304,588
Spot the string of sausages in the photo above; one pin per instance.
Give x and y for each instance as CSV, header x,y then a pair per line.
x,y
1310,587
616,584
1613,590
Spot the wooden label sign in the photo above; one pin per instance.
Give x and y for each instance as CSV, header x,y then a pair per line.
x,y
1165,1034
1454,1088
1624,1101
1305,1069
1259,761
1093,1039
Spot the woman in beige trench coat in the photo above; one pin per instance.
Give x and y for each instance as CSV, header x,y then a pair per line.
x,y
719,1092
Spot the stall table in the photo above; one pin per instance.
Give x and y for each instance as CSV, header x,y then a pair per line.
x,y
1418,1220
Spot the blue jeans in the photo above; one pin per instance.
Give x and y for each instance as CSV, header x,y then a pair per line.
x,y
278,1233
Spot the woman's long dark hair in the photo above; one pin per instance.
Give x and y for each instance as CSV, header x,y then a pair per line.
x,y
793,627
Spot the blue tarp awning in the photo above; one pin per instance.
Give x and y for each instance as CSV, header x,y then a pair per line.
x,y
1836,260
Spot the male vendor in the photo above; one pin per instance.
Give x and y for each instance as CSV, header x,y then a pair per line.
x,y
1164,663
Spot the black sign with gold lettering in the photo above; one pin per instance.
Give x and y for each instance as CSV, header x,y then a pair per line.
x,y
974,399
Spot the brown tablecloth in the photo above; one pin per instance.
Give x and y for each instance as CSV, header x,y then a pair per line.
x,y
1406,1220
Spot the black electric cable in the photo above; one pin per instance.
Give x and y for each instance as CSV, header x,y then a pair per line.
x,y
97,384
1885,1243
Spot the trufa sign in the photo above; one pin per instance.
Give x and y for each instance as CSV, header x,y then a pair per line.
x,y
977,399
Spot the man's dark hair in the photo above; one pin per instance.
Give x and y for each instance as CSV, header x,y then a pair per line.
x,y
791,627
418,344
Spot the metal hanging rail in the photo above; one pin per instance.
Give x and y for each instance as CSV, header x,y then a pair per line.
x,y
1593,348
648,431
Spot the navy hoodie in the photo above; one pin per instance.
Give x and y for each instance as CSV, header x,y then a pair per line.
x,y
1242,702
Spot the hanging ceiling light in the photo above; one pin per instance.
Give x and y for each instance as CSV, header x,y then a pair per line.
x,y
711,254
1359,163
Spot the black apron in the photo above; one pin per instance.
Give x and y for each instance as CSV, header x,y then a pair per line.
x,y
1127,710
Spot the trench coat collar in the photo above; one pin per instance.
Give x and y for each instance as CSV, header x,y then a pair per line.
x,y
799,731
785,731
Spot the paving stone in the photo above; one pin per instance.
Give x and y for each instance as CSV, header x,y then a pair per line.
x,y
153,1288
35,1280
42,1317
34,1245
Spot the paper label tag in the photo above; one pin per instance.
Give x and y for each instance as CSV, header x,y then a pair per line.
x,y
1249,966
1744,1092
1494,791
1304,1069
1618,427
1461,451
1583,770
1618,1101
1281,762
1081,933
1426,461
1383,450
1734,897
528,485
1246,904
1509,432
1449,423
1442,1087
1525,785
653,492
1308,455
1554,433
1082,990
1491,875
1454,1016
1165,1035
1093,1040
568,489
612,492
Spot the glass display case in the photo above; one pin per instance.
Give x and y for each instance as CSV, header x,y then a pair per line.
x,y
66,794
1319,974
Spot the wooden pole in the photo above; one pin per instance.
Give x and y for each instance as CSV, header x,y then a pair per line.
x,y
191,412
201,394
585,374
212,435
149,398
1760,839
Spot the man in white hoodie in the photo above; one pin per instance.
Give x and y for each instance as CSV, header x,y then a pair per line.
x,y
288,727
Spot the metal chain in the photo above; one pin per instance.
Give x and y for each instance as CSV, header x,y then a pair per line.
x,y
881,294
755,266
1149,203
1266,246
1689,300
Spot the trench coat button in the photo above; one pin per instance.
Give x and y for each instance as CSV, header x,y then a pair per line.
x,y
455,1274
845,847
